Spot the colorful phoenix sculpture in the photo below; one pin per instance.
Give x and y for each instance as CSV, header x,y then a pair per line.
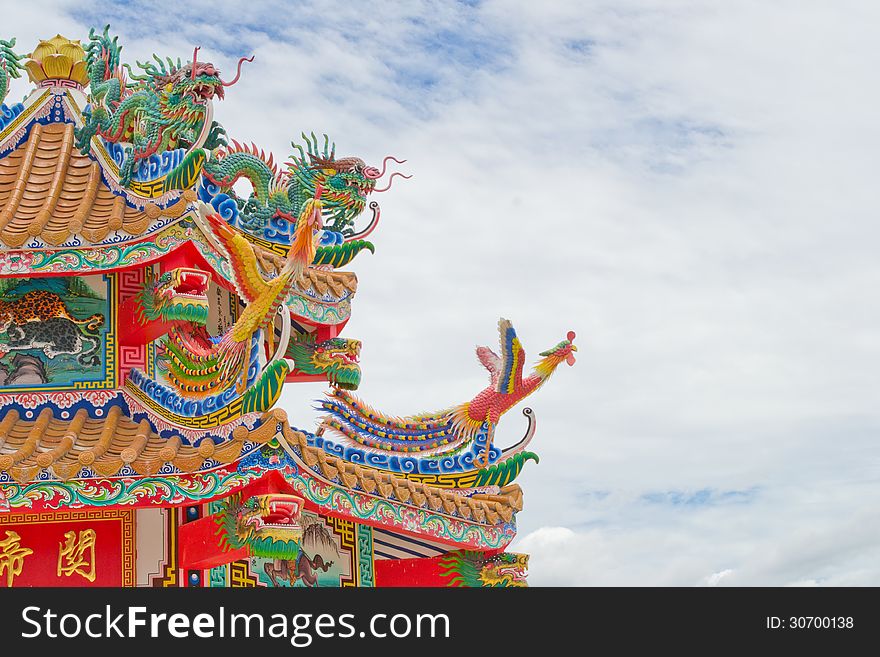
x,y
454,440
198,364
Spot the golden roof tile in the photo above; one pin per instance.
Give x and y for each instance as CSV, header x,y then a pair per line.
x,y
65,446
51,191
320,281
486,509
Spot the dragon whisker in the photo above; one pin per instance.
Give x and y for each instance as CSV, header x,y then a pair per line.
x,y
238,73
388,186
385,163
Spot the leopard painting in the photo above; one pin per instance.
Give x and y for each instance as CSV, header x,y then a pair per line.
x,y
54,337
41,306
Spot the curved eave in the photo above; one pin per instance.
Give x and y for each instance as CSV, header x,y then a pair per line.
x,y
80,443
332,486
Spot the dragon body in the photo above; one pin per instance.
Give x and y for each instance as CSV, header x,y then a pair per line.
x,y
10,66
277,198
198,364
466,568
166,107
195,363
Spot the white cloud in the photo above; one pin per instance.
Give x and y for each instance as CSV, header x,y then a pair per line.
x,y
715,578
786,536
689,186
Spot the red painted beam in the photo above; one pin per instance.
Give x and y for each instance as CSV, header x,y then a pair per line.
x,y
425,571
200,546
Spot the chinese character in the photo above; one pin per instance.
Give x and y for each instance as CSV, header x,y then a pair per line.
x,y
12,556
77,554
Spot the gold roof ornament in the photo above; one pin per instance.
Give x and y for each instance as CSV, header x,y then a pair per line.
x,y
58,62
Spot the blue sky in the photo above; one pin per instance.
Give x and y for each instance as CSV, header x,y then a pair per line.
x,y
687,185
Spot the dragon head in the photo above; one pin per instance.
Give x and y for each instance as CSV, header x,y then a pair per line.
x,y
338,358
344,183
199,82
267,525
270,525
192,84
476,569
263,513
178,295
505,569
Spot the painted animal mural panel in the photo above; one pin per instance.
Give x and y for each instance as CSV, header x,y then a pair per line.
x,y
54,332
320,561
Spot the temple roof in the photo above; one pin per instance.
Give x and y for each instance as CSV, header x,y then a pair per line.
x,y
320,281
51,191
64,446
488,509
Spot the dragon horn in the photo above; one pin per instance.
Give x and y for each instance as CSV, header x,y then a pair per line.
x,y
238,73
193,72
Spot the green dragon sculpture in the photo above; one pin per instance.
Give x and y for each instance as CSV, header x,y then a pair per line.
x,y
267,525
270,526
10,66
336,357
271,210
164,108
176,295
466,568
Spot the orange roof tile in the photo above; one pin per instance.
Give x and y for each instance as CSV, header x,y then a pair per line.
x,y
49,190
105,445
487,509
321,281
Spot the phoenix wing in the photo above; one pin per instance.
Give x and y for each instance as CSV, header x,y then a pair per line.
x,y
512,358
491,361
245,273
